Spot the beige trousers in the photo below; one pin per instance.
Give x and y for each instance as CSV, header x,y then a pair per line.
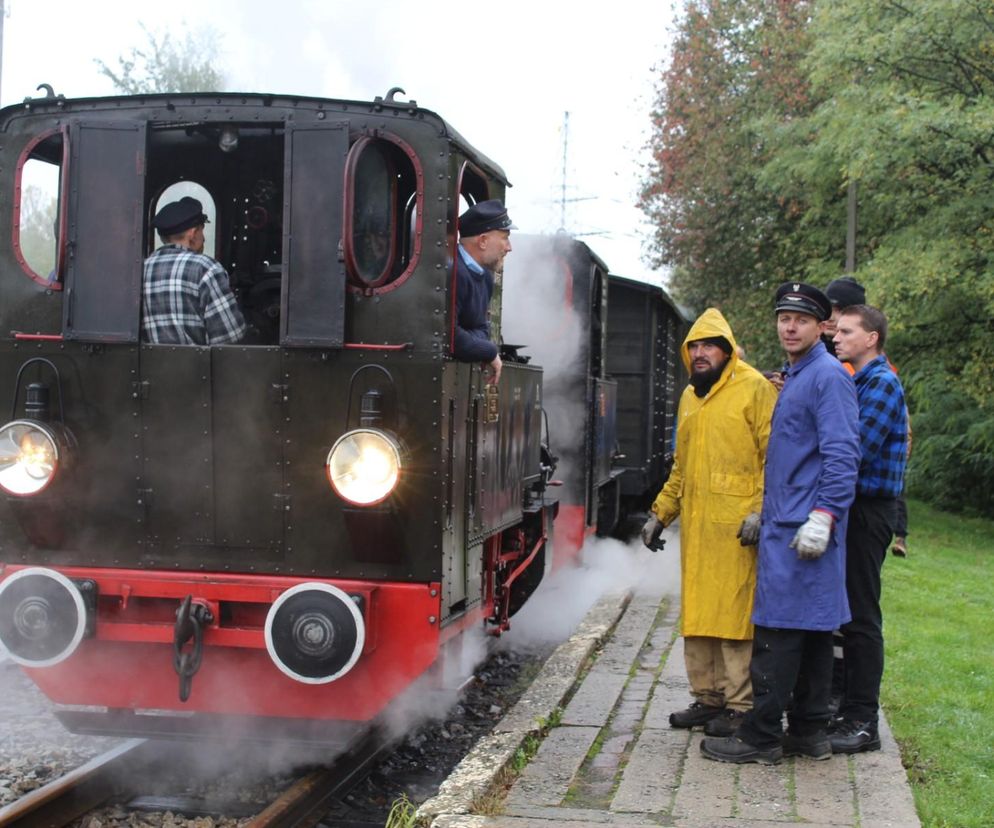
x,y
718,670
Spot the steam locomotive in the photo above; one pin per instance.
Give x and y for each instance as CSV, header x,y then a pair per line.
x,y
285,531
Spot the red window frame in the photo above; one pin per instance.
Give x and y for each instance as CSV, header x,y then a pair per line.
x,y
383,283
60,255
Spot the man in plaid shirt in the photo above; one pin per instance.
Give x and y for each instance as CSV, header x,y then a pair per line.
x,y
883,429
186,298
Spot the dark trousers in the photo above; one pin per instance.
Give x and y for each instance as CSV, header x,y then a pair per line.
x,y
786,664
900,518
871,521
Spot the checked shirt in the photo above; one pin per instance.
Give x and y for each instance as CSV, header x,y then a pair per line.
x,y
883,430
186,300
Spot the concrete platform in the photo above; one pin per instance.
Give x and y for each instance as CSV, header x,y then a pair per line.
x,y
611,757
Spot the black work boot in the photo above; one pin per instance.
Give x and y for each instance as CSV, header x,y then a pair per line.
x,y
813,746
726,724
854,737
733,749
694,716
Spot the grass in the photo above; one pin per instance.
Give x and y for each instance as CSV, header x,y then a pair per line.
x,y
938,688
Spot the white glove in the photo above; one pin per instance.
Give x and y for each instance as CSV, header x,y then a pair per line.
x,y
812,538
748,533
651,531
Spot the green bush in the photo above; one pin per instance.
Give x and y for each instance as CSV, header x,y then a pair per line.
x,y
951,465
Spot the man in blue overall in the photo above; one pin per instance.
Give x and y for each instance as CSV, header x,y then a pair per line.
x,y
484,241
812,461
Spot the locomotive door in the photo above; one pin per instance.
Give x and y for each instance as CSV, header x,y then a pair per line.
x,y
106,178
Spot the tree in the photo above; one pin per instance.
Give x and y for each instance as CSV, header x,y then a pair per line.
x,y
754,148
730,240
907,90
166,66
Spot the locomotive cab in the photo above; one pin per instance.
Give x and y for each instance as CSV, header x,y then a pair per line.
x,y
308,514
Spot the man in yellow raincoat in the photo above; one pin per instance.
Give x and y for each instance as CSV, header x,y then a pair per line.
x,y
716,487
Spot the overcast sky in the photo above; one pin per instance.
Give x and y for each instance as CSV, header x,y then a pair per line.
x,y
503,75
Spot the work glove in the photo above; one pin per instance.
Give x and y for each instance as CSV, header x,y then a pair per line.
x,y
812,538
651,533
748,533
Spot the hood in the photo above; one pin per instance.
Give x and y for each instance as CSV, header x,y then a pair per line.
x,y
708,324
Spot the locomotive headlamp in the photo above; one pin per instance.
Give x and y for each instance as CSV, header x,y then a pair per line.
x,y
364,466
42,617
314,633
29,456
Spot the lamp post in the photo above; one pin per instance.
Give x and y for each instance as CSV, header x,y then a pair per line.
x,y
851,228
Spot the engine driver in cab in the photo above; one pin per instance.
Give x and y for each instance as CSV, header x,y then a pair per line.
x,y
484,241
186,297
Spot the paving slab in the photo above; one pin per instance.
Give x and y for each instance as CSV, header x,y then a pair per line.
x,y
824,791
763,792
652,776
595,699
707,789
546,779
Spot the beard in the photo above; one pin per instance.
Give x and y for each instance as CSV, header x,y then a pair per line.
x,y
703,381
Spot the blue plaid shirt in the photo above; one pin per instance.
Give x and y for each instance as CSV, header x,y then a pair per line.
x,y
186,300
883,430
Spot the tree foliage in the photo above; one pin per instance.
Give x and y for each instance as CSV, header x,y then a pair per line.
x,y
767,112
165,65
729,240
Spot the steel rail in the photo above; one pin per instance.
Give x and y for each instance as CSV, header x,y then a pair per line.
x,y
304,803
62,800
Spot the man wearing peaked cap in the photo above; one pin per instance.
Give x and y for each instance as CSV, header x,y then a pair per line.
x,y
186,297
178,216
484,241
812,460
843,292
484,217
798,296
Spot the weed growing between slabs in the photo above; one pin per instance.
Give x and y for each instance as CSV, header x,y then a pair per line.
x,y
938,687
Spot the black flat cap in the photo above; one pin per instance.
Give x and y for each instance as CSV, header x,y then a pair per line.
x,y
483,217
178,216
797,296
845,292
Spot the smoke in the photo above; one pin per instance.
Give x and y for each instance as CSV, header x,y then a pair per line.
x,y
537,305
434,694
606,565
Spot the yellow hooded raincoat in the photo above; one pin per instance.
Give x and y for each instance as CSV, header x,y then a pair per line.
x,y
717,480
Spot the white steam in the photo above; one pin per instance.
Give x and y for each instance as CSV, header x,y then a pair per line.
x,y
606,565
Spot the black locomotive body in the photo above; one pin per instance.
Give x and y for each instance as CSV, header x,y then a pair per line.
x,y
189,528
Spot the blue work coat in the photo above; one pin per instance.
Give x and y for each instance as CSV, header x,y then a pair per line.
x,y
812,461
472,330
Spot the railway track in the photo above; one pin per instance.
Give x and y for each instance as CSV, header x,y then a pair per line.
x,y
70,796
122,775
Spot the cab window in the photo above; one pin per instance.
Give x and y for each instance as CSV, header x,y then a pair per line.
x,y
383,192
39,209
